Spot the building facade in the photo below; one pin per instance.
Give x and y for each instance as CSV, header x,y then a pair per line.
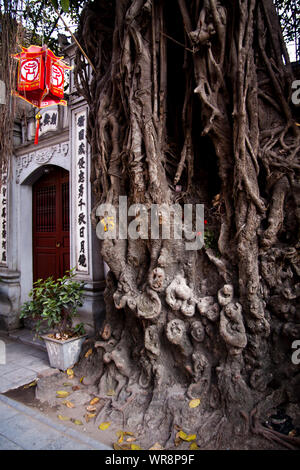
x,y
45,206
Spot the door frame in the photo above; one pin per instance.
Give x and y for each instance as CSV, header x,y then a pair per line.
x,y
25,225
58,177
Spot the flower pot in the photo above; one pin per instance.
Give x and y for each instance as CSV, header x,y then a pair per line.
x,y
63,353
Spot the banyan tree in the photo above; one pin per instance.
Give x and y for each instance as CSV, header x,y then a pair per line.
x,y
190,103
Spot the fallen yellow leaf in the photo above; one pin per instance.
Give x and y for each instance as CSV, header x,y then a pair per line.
x,y
193,446
77,421
186,437
121,435
110,393
94,401
67,384
194,403
88,353
181,434
156,446
32,384
69,404
191,437
90,408
89,416
81,379
104,425
117,447
70,373
122,447
62,394
135,447
63,418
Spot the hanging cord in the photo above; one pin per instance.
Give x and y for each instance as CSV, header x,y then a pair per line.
x,y
38,117
75,40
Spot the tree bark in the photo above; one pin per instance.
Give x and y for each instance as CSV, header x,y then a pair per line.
x,y
195,96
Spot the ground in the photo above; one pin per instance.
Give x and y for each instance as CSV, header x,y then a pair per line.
x,y
43,396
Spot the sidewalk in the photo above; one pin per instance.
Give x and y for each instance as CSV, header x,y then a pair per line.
x,y
22,427
23,363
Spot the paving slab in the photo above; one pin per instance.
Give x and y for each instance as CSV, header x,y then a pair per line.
x,y
30,359
27,432
23,364
64,443
5,385
24,428
20,375
27,337
6,444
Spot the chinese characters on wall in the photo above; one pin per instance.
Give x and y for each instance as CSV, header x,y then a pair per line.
x,y
81,190
3,220
49,121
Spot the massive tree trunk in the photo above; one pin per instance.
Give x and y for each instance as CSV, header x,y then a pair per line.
x,y
189,103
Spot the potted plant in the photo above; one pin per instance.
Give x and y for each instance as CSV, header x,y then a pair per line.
x,y
54,304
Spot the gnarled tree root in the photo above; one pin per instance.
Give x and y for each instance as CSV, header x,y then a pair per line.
x,y
290,442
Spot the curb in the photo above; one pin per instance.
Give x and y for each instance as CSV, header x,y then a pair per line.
x,y
71,433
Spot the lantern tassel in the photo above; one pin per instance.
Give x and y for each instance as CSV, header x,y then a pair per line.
x,y
38,118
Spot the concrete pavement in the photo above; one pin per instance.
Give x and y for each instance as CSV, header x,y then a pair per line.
x,y
23,363
22,427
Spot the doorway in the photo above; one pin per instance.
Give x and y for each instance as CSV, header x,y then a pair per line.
x,y
51,224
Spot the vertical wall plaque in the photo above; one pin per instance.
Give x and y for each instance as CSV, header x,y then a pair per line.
x,y
81,179
3,219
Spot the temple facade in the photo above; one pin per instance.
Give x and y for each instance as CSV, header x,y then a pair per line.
x,y
45,206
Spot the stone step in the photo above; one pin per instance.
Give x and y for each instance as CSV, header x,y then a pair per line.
x,y
28,337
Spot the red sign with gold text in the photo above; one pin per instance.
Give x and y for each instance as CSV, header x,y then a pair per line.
x,y
40,77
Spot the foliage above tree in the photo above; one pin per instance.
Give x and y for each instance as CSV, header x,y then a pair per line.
x,y
289,15
40,19
41,22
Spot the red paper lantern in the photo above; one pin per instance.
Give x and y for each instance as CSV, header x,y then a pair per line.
x,y
41,77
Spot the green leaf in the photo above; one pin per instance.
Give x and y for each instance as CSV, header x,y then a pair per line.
x,y
65,4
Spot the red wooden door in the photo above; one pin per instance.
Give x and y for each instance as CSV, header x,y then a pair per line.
x,y
51,241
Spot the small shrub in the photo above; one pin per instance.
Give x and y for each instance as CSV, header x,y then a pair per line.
x,y
55,302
